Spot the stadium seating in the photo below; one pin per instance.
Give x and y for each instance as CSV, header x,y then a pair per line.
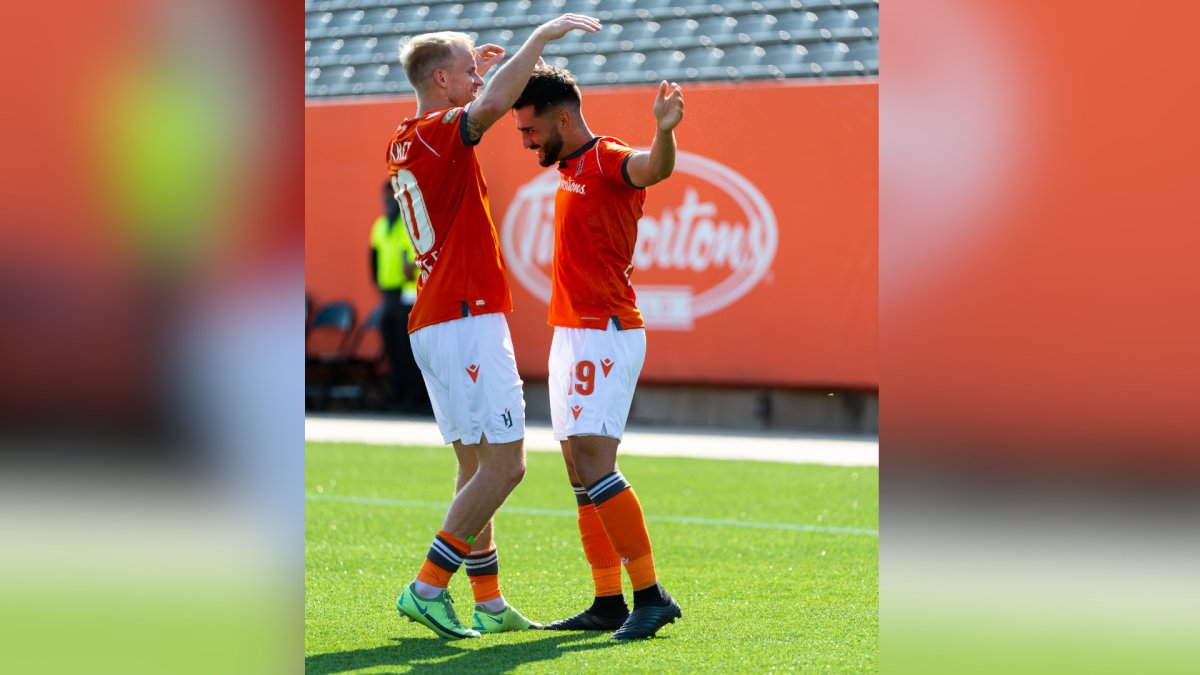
x,y
356,376
325,345
351,47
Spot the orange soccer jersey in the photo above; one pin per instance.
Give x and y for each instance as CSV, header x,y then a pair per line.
x,y
444,203
596,211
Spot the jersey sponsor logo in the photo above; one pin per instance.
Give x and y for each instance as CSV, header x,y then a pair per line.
x,y
473,371
570,185
706,239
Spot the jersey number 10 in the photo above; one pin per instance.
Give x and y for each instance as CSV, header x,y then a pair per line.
x,y
412,208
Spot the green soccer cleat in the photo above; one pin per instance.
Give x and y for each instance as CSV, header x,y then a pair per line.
x,y
505,620
437,615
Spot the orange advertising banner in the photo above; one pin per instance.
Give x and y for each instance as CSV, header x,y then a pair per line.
x,y
756,261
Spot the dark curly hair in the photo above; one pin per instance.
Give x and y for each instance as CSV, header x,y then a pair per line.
x,y
549,87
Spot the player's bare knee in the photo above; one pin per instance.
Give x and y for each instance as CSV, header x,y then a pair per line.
x,y
517,474
504,467
508,473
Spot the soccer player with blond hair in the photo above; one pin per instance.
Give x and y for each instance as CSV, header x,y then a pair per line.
x,y
457,327
599,341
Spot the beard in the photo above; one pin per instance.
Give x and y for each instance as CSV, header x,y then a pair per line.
x,y
551,149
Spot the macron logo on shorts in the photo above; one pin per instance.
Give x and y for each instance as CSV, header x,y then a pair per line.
x,y
576,410
607,365
473,371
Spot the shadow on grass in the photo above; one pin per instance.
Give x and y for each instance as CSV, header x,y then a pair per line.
x,y
426,654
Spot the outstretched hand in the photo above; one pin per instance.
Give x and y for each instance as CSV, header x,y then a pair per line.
x,y
552,30
487,56
668,106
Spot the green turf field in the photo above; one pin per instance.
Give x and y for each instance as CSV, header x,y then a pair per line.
x,y
793,587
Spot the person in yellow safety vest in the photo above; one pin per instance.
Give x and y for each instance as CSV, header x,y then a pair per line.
x,y
395,274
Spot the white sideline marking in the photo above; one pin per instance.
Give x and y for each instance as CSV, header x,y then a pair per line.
x,y
774,447
378,501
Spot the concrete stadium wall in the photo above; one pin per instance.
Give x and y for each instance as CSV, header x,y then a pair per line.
x,y
756,263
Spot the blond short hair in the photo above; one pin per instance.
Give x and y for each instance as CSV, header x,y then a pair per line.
x,y
425,53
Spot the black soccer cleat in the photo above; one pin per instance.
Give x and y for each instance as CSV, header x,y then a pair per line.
x,y
589,620
645,621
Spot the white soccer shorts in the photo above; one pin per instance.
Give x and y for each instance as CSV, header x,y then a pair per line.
x,y
471,375
592,377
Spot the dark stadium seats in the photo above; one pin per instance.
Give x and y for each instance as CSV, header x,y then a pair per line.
x,y
759,27
357,373
625,61
868,18
347,42
325,344
330,328
638,31
798,22
666,64
412,18
444,16
865,51
743,56
836,18
826,52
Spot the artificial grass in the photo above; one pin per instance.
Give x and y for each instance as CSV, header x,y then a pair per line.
x,y
766,595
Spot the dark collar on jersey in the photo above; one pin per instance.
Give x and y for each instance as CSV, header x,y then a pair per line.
x,y
562,163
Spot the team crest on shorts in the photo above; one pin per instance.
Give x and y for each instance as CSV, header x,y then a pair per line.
x,y
507,417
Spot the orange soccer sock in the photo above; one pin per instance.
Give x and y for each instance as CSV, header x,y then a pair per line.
x,y
599,551
443,560
483,569
620,511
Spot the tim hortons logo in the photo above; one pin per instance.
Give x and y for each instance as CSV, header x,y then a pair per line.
x,y
706,238
571,186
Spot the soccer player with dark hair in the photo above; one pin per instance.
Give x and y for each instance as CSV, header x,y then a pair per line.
x,y
599,338
457,328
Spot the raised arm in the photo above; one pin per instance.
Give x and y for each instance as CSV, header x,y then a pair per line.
x,y
487,56
509,81
647,168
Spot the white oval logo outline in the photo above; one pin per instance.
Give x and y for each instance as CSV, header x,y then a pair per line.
x,y
762,231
